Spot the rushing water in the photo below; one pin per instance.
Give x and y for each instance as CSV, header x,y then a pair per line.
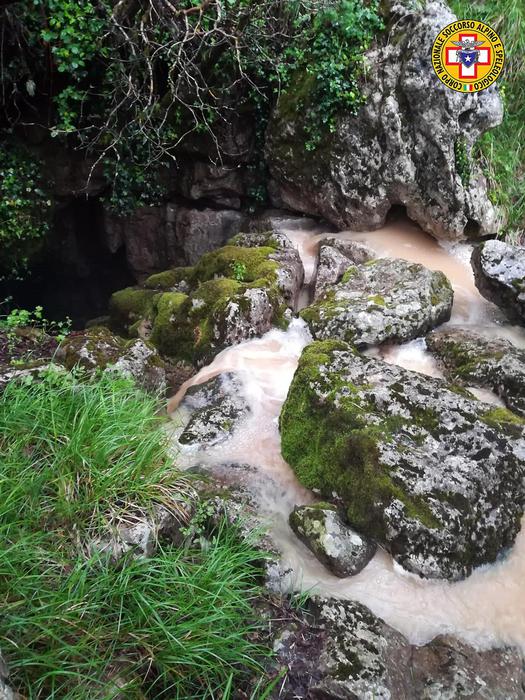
x,y
486,609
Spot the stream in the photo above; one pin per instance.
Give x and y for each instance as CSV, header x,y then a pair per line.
x,y
488,608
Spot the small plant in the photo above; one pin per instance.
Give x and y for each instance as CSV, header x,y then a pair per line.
x,y
18,320
239,270
462,161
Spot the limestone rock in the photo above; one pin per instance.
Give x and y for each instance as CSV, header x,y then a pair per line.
x,y
499,272
201,231
216,407
344,652
381,300
342,550
6,693
424,469
399,149
99,349
335,257
225,185
472,359
232,294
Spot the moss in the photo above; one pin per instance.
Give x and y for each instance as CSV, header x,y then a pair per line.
x,y
377,299
169,278
130,305
170,330
351,272
220,263
500,417
336,449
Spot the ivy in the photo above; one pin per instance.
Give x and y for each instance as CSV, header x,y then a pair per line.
x,y
25,209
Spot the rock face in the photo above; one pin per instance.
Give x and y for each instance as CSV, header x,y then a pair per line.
x,y
346,652
99,349
234,293
335,257
430,473
407,145
216,406
342,550
201,231
499,272
381,300
493,363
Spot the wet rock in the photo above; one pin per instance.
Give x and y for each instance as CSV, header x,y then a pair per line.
x,y
216,408
342,550
201,231
492,363
224,185
400,148
99,349
381,300
343,651
148,237
421,467
335,257
232,294
277,221
499,272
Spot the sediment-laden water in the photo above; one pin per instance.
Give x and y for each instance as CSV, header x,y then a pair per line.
x,y
486,609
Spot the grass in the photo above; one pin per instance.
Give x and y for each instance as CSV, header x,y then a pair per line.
x,y
76,455
502,150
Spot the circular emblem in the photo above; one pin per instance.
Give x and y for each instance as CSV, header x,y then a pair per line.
x,y
468,55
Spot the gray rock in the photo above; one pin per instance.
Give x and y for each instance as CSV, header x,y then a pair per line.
x,y
148,237
421,467
472,359
279,221
200,231
225,185
342,550
381,300
499,272
216,407
400,148
99,349
344,652
290,270
6,693
335,257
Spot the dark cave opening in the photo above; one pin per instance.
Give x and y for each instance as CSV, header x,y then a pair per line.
x,y
76,273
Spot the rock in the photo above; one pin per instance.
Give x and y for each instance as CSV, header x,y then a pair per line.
x,y
224,185
278,221
6,693
216,407
342,550
148,236
402,146
232,294
499,272
201,231
381,300
419,466
99,349
472,359
345,652
335,257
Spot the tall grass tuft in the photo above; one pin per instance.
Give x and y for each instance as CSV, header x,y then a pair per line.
x,y
502,150
177,625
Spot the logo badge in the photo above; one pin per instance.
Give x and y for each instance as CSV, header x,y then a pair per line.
x,y
468,55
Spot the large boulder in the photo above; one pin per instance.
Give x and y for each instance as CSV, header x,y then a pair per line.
x,y
344,652
214,409
472,359
234,293
499,272
342,550
200,231
422,467
381,300
409,144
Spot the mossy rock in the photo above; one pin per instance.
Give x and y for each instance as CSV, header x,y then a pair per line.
x,y
170,279
429,473
130,305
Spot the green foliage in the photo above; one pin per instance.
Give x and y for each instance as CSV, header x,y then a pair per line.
x,y
25,209
239,270
462,161
327,61
22,318
502,150
77,457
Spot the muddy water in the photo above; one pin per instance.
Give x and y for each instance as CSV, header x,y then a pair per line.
x,y
488,608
